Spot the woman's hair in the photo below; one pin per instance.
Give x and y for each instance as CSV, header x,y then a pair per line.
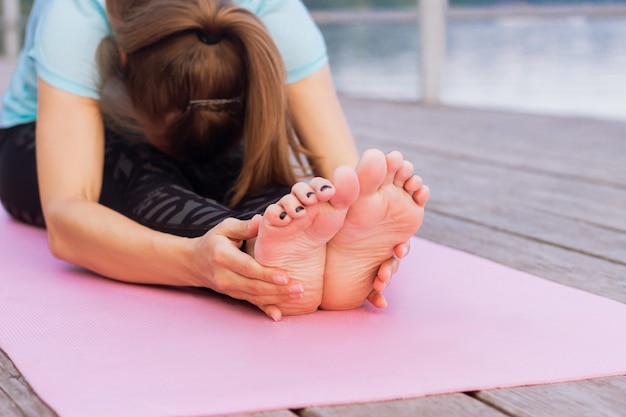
x,y
195,78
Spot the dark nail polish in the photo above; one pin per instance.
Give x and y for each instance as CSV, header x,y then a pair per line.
x,y
310,194
325,187
299,209
283,215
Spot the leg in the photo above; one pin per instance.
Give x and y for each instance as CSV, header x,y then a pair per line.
x,y
138,181
389,210
19,190
294,233
163,194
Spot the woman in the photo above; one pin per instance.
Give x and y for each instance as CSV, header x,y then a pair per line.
x,y
116,153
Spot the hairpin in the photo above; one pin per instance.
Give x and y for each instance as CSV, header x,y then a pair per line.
x,y
215,105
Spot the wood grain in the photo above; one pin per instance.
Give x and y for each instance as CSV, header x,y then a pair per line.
x,y
602,397
451,405
17,398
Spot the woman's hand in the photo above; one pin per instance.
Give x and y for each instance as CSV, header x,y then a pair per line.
x,y
386,270
222,266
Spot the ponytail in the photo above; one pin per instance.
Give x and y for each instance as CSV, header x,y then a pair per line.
x,y
201,77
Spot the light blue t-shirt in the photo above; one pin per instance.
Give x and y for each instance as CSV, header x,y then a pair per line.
x,y
62,37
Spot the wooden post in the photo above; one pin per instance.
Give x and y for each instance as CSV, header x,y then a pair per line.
x,y
11,27
432,29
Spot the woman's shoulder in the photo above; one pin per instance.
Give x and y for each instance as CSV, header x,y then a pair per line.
x,y
94,8
65,43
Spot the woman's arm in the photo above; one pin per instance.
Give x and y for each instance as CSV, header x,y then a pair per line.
x,y
320,123
70,154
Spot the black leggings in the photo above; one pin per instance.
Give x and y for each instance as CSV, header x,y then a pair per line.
x,y
139,181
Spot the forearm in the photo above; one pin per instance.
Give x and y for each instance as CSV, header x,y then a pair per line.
x,y
70,164
101,240
320,123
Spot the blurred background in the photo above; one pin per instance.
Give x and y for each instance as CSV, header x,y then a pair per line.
x,y
559,57
543,56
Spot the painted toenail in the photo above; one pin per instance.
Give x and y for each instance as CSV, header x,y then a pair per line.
x,y
299,209
310,194
283,215
325,187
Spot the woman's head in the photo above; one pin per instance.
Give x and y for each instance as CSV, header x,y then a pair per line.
x,y
196,77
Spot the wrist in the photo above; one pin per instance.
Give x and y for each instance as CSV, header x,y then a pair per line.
x,y
179,253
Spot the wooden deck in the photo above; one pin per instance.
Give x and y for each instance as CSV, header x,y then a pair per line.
x,y
545,195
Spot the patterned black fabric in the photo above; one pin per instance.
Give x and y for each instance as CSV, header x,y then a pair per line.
x,y
140,182
19,192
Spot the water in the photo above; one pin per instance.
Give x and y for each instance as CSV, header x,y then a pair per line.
x,y
572,66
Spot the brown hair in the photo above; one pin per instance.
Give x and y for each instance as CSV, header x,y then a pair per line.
x,y
168,63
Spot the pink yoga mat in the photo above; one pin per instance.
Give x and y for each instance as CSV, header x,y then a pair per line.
x,y
94,347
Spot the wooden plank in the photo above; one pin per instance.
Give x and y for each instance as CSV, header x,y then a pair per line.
x,y
17,398
460,126
603,397
278,413
434,406
555,263
8,408
571,147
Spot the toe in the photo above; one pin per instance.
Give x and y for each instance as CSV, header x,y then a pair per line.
x,y
371,170
413,184
422,195
324,189
403,174
276,215
346,187
305,193
395,162
292,206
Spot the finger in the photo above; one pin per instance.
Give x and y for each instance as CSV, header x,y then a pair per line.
x,y
246,268
377,300
385,272
236,229
402,249
272,312
253,225
383,277
276,284
262,300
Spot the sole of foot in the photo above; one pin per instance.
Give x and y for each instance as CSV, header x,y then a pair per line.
x,y
388,211
294,233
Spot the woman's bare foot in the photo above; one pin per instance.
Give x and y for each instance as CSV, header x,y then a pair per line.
x,y
294,232
389,210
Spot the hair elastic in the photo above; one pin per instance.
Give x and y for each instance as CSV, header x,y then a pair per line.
x,y
209,38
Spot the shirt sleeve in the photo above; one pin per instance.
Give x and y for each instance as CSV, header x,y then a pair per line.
x,y
66,42
297,36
